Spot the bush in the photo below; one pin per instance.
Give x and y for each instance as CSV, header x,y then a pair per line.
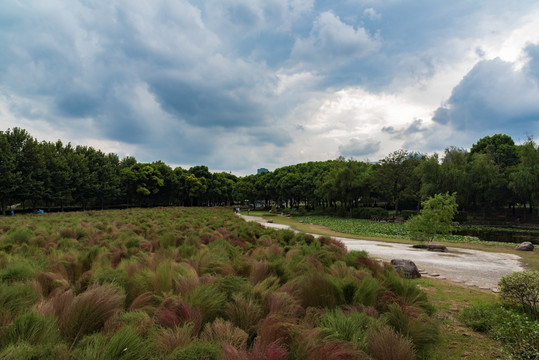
x,y
522,288
518,334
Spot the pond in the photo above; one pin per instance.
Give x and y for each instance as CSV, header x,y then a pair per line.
x,y
501,235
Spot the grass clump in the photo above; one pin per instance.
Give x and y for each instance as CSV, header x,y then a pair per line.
x,y
87,312
197,350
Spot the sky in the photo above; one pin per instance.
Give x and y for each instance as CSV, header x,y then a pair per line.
x,y
238,85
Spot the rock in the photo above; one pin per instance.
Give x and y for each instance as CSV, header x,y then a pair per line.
x,y
270,221
436,247
525,246
406,267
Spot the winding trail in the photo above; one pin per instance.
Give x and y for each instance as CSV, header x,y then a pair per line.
x,y
471,267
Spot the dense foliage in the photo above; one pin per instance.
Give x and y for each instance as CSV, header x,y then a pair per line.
x,y
436,218
522,288
495,173
518,334
192,283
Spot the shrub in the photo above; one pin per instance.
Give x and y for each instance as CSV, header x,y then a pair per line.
x,y
197,350
518,334
522,288
386,344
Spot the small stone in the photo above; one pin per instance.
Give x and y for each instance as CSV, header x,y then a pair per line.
x,y
436,247
525,246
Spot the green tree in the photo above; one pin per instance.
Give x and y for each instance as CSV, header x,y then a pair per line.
x,y
500,148
10,177
435,218
244,189
142,180
347,182
58,175
394,177
524,181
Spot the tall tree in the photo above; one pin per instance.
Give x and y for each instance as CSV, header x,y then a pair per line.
x,y
525,180
394,173
10,178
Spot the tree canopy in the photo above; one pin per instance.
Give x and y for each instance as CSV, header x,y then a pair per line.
x,y
495,173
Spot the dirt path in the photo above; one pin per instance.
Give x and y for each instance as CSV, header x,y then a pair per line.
x,y
471,267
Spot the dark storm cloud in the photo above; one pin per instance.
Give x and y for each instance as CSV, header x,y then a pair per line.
x,y
494,96
185,79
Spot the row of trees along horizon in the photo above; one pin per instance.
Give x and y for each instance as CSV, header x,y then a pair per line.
x,y
494,174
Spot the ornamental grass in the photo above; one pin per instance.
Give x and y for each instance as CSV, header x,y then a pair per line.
x,y
193,283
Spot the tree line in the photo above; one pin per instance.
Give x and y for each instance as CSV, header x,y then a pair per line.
x,y
494,173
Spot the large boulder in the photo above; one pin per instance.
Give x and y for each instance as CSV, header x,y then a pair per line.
x,y
525,246
406,268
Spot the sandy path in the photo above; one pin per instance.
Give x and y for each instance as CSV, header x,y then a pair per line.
x,y
471,267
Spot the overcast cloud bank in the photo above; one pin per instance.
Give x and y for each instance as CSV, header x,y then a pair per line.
x,y
243,84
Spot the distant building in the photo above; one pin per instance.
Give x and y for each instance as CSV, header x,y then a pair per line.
x,y
261,170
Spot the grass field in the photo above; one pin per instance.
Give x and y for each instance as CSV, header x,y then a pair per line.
x,y
190,283
193,283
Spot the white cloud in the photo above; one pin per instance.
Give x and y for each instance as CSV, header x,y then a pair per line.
x,y
332,42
